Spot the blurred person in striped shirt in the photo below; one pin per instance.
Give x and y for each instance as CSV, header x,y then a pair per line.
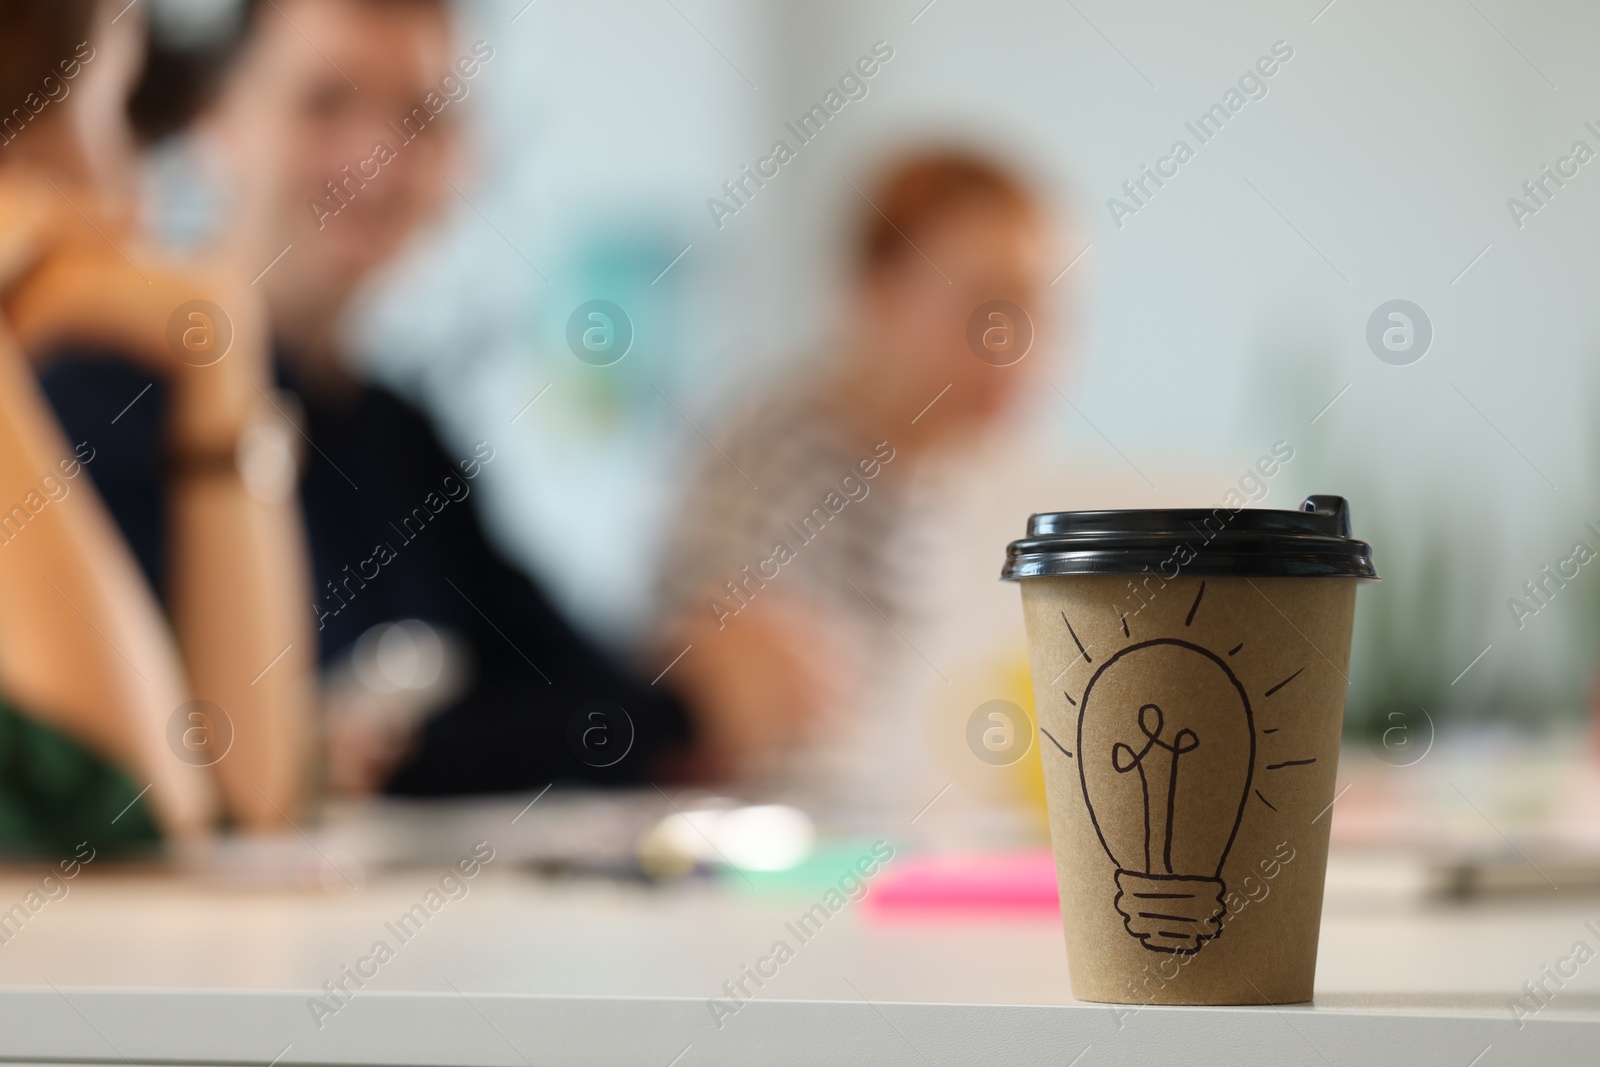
x,y
790,568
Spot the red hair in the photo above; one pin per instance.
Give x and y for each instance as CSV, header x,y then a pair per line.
x,y
922,190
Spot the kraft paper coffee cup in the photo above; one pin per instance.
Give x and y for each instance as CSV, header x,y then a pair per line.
x,y
1189,671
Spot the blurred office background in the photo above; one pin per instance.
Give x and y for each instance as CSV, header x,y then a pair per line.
x,y
1228,314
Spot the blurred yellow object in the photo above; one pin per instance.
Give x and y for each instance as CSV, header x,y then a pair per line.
x,y
1028,772
992,697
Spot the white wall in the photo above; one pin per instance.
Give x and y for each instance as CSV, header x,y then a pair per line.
x,y
1220,318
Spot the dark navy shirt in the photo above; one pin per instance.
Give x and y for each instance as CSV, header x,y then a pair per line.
x,y
393,533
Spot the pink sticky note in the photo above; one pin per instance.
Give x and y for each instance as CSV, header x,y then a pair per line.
x,y
1022,883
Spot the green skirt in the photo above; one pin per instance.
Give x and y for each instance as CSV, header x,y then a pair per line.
x,y
56,794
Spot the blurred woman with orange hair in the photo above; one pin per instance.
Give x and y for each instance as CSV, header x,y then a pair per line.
x,y
98,688
781,592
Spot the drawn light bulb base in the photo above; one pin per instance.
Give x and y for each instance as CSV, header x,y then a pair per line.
x,y
1171,912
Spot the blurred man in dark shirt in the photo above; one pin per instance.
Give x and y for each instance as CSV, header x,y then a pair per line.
x,y
338,125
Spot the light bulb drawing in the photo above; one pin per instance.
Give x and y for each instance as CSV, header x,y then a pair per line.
x,y
1167,743
1125,759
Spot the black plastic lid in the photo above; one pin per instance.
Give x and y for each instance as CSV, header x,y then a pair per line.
x,y
1313,542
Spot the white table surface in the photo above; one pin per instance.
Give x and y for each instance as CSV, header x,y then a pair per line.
x,y
150,968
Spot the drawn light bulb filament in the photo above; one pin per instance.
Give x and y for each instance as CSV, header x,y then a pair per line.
x,y
1124,758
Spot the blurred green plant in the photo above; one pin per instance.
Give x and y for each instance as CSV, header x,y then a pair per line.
x,y
1446,564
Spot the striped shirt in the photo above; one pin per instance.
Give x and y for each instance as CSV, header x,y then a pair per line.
x,y
794,501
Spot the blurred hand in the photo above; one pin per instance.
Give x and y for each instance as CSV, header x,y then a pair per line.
x,y
51,256
363,751
26,220
764,681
